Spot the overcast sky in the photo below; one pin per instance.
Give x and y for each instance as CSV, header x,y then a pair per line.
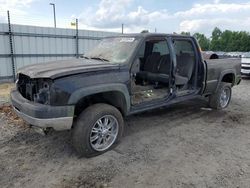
x,y
165,15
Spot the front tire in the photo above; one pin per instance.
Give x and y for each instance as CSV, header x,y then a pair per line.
x,y
97,129
222,97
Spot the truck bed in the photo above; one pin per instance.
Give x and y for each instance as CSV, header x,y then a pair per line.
x,y
216,68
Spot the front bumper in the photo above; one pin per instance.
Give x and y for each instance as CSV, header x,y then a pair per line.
x,y
245,72
245,68
43,116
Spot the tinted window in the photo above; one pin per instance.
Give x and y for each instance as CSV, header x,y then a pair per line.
x,y
161,47
183,47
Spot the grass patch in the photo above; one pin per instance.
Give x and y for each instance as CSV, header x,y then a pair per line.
x,y
5,91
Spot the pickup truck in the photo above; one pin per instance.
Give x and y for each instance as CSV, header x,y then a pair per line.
x,y
121,76
245,64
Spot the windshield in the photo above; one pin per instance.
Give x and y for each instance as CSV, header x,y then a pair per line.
x,y
114,50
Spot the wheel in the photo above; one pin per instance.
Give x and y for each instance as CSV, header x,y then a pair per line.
x,y
97,129
222,97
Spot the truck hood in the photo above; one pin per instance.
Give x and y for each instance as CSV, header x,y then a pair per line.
x,y
57,69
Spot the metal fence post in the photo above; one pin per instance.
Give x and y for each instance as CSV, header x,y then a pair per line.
x,y
11,48
77,40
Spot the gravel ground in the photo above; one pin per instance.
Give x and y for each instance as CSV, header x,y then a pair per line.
x,y
185,145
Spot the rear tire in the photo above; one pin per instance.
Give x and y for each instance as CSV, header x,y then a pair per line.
x,y
222,97
97,129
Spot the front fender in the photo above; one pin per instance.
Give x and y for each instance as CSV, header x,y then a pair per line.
x,y
87,91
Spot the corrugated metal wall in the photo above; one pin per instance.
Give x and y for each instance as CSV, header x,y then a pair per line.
x,y
5,62
33,44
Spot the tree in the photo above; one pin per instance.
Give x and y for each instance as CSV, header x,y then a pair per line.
x,y
215,42
230,41
203,41
185,33
227,41
216,34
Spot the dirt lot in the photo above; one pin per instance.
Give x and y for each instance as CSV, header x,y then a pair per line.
x,y
181,146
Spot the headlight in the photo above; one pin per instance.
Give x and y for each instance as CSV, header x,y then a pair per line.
x,y
43,94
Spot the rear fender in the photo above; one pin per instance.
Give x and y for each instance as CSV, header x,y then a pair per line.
x,y
224,73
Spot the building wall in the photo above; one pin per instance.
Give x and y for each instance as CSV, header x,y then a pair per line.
x,y
33,44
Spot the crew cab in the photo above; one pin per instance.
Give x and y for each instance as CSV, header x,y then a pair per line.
x,y
121,76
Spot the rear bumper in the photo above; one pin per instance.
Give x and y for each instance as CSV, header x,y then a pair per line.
x,y
43,116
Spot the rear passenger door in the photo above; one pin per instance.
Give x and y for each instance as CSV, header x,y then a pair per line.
x,y
186,62
160,47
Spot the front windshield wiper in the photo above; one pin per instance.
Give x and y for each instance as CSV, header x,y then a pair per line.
x,y
99,58
83,56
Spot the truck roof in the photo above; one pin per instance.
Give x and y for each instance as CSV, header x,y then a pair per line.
x,y
146,35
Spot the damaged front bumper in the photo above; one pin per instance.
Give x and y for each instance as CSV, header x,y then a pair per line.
x,y
43,116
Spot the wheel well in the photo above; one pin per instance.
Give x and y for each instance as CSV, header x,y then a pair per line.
x,y
229,78
114,98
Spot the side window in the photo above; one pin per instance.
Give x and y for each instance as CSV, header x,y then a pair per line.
x,y
183,47
161,47
185,57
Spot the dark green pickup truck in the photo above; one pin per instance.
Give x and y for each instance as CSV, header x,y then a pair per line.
x,y
123,75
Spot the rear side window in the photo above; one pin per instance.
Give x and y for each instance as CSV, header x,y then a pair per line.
x,y
183,47
161,47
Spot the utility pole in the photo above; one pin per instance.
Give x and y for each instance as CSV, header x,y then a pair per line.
x,y
122,28
77,41
54,11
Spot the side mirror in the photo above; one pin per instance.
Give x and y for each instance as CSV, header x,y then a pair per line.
x,y
136,66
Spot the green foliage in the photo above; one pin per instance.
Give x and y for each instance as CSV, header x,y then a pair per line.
x,y
227,41
203,41
215,42
185,33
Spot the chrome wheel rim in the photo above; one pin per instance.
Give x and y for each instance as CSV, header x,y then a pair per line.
x,y
224,97
104,133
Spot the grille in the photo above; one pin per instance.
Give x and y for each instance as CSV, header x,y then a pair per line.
x,y
26,86
246,68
